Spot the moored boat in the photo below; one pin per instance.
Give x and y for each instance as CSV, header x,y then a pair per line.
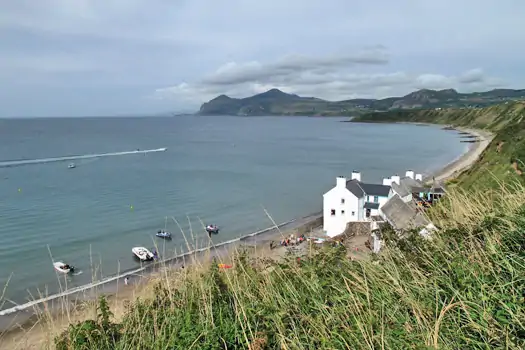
x,y
142,253
212,229
64,268
71,165
163,234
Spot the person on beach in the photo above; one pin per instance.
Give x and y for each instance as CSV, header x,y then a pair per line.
x,y
126,279
272,245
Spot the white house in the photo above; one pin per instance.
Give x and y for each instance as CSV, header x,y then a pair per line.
x,y
351,200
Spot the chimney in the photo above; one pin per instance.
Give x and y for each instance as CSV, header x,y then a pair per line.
x,y
419,177
396,179
387,181
409,174
340,182
356,175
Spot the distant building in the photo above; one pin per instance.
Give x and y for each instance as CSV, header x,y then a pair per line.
x,y
411,188
408,197
352,200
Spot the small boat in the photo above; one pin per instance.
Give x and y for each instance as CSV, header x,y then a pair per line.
x,y
71,165
64,268
142,253
212,229
163,234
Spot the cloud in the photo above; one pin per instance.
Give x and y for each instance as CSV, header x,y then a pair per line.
x,y
292,65
332,77
107,55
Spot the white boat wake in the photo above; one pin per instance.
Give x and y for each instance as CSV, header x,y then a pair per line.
x,y
12,163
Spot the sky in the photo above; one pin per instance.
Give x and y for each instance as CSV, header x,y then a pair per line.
x,y
117,57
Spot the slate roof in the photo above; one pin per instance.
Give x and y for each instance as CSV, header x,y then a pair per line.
x,y
408,186
400,190
359,189
376,190
371,205
355,187
403,215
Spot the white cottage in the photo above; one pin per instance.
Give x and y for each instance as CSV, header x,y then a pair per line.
x,y
351,200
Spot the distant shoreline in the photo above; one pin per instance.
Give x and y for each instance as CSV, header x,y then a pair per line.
x,y
467,159
461,163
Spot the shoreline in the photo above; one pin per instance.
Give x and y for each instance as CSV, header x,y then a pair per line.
x,y
467,159
42,322
14,331
22,315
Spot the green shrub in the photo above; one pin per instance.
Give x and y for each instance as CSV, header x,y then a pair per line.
x,y
101,334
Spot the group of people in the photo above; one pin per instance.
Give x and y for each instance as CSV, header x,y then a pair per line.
x,y
290,241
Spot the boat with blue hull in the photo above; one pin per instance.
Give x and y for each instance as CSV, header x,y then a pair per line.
x,y
163,234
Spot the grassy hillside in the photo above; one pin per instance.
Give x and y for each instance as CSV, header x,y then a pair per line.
x,y
462,290
502,162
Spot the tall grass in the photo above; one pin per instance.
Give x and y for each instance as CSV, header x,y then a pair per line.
x,y
461,289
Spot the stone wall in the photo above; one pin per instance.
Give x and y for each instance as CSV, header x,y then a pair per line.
x,y
357,228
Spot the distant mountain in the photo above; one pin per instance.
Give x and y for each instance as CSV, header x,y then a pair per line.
x,y
276,102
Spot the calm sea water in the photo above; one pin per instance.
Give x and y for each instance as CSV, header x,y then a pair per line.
x,y
221,170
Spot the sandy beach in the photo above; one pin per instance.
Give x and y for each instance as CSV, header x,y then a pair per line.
x,y
456,167
33,332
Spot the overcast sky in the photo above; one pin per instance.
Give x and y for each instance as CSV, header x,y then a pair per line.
x,y
104,57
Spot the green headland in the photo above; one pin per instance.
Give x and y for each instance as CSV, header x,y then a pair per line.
x,y
276,102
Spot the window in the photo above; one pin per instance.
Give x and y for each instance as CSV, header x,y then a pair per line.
x,y
353,213
332,212
342,201
376,199
342,212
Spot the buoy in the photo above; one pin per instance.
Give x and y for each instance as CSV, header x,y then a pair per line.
x,y
130,207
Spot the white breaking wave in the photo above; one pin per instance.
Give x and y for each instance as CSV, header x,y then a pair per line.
x,y
86,156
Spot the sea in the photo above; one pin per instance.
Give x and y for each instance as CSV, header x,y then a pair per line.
x,y
242,174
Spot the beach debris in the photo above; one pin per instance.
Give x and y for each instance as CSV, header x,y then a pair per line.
x,y
499,146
